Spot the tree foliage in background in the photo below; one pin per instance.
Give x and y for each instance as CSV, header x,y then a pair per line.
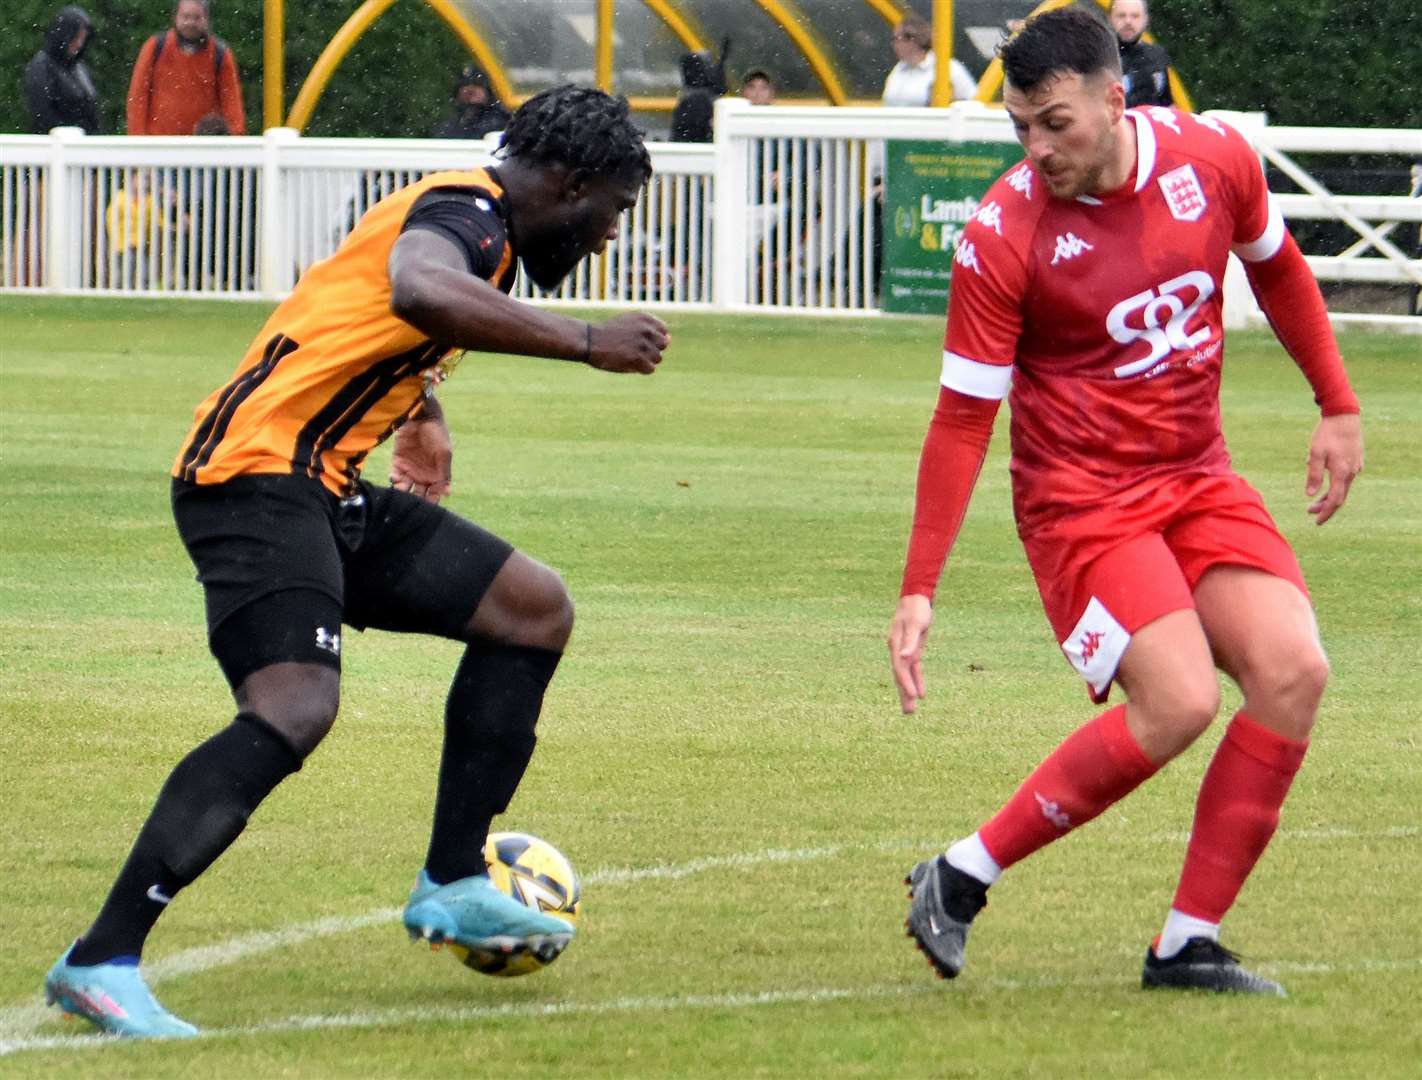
x,y
1324,63
1314,62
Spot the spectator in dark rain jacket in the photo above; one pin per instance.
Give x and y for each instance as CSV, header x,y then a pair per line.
x,y
703,80
58,87
476,113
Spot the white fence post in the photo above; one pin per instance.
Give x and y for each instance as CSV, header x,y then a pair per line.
x,y
276,252
741,229
731,205
62,256
1238,297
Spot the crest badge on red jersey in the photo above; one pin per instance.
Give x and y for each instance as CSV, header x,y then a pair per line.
x,y
1183,193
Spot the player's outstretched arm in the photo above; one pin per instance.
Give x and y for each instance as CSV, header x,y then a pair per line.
x,y
1334,454
433,291
953,453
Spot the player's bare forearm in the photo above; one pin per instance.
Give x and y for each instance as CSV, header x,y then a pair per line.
x,y
431,290
453,306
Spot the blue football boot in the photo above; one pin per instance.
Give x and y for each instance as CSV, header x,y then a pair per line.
x,y
474,913
423,887
114,998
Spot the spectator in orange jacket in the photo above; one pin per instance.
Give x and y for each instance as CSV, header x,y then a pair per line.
x,y
182,75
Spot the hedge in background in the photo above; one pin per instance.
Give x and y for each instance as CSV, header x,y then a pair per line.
x,y
1316,63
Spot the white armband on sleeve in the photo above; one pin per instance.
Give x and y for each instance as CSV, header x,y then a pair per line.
x,y
974,378
1269,241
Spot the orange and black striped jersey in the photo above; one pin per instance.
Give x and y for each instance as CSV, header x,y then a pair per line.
x,y
334,372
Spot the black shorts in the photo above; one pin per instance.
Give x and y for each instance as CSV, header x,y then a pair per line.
x,y
283,562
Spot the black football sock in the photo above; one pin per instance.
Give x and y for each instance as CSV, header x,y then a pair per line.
x,y
489,719
202,808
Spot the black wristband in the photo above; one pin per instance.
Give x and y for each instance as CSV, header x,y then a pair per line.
x,y
587,349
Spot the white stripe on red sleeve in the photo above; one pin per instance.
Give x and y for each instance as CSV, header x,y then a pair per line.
x,y
974,378
1269,241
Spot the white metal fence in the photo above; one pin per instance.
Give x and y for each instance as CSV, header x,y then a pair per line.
x,y
778,213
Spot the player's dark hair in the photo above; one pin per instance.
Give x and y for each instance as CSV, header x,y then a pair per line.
x,y
579,128
1056,43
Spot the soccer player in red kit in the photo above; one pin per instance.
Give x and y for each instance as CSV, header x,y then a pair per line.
x,y
1088,289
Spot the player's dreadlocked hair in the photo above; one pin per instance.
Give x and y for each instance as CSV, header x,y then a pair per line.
x,y
1056,42
580,128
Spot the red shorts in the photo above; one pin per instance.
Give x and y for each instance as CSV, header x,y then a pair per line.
x,y
1103,574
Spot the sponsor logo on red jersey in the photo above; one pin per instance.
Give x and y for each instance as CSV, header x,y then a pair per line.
x,y
1161,318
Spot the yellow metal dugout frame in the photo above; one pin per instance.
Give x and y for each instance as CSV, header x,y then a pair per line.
x,y
786,14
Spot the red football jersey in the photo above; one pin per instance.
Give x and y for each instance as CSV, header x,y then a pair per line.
x,y
1103,314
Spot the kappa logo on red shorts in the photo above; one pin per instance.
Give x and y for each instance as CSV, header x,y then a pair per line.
x,y
1090,642
1095,644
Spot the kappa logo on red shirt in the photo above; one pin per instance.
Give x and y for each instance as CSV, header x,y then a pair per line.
x,y
967,255
1020,180
1211,123
989,215
1183,193
1165,117
1069,247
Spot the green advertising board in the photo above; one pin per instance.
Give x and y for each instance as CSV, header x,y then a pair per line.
x,y
931,190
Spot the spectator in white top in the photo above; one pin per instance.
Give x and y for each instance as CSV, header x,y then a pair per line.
x,y
910,83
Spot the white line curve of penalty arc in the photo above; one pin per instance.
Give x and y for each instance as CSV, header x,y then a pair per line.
x,y
22,1019
534,1010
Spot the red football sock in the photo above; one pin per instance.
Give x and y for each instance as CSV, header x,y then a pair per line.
x,y
1235,815
1097,764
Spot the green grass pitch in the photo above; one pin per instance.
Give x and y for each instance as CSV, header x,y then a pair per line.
x,y
722,754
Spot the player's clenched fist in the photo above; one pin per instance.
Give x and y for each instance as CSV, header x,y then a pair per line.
x,y
632,342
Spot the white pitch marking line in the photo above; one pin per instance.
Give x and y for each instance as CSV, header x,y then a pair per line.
x,y
20,1020
815,996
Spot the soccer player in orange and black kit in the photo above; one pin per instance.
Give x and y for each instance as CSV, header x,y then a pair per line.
x,y
290,542
1089,285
